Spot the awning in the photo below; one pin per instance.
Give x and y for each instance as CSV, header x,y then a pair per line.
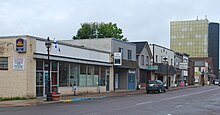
x,y
128,64
162,69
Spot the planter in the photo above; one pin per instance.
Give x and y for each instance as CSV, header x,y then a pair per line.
x,y
56,97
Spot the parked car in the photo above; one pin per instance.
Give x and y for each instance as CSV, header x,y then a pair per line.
x,y
155,85
216,82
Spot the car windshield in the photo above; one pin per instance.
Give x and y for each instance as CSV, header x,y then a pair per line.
x,y
152,81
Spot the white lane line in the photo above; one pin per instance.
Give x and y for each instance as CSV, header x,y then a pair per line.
x,y
177,96
144,102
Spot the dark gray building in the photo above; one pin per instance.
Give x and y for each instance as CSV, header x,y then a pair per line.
x,y
213,46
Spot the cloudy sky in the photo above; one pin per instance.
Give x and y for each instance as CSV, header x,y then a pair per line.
x,y
140,20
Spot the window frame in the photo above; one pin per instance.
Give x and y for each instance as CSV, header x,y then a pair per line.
x,y
3,63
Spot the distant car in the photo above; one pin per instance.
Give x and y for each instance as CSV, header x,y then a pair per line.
x,y
216,82
155,85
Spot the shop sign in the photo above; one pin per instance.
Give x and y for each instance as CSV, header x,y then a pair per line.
x,y
117,59
131,71
152,67
183,65
18,63
21,45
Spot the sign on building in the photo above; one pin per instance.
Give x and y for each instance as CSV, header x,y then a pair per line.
x,y
117,58
18,63
21,45
183,65
152,67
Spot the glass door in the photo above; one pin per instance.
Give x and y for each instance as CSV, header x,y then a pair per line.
x,y
46,80
39,83
107,79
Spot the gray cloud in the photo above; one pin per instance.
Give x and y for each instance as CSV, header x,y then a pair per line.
x,y
141,20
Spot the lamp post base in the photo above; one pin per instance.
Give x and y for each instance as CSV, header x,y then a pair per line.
x,y
49,97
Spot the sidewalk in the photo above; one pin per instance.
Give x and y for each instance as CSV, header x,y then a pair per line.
x,y
71,98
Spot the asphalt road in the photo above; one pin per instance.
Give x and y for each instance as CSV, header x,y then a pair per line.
x,y
192,101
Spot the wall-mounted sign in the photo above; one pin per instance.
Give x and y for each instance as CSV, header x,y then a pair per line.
x,y
21,45
152,67
18,63
183,65
117,59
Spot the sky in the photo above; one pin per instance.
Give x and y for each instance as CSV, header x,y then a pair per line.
x,y
140,20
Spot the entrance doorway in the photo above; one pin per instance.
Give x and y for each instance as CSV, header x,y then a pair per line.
x,y
107,79
42,83
131,81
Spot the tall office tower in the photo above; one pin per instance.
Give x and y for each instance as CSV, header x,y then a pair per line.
x,y
198,38
213,49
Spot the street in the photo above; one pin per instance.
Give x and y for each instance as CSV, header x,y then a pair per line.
x,y
191,101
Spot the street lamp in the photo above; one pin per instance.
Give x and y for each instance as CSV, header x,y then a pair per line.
x,y
165,59
48,46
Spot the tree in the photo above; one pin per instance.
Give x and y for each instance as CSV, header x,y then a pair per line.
x,y
99,30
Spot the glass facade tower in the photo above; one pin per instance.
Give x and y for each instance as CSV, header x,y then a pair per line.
x,y
198,38
190,37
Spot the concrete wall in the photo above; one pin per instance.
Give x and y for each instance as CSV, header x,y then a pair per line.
x,y
103,44
21,83
81,90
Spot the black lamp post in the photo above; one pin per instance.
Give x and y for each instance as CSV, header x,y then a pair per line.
x,y
48,46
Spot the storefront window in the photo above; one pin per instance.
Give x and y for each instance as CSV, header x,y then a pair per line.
x,y
64,74
54,66
54,78
96,76
82,77
102,78
90,76
74,75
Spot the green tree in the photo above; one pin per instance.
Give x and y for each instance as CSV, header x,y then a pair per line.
x,y
99,30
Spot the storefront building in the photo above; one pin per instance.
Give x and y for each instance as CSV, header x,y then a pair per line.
x,y
24,68
125,75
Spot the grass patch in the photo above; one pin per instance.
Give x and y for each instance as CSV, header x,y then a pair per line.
x,y
12,98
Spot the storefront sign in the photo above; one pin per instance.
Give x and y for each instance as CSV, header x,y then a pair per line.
x,y
18,63
21,45
183,65
117,59
152,67
131,71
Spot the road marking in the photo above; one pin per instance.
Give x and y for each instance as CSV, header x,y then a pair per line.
x,y
180,96
144,102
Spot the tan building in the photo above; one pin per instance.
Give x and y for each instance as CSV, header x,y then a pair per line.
x,y
24,68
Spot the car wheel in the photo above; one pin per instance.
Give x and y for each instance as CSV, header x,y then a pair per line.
x,y
147,92
164,90
160,90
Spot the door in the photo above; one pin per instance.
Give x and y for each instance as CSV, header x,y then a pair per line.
x,y
131,81
46,80
39,83
107,79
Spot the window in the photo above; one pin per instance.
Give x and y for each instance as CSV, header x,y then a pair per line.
x,y
3,63
156,58
64,74
142,59
121,50
82,77
147,60
129,54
